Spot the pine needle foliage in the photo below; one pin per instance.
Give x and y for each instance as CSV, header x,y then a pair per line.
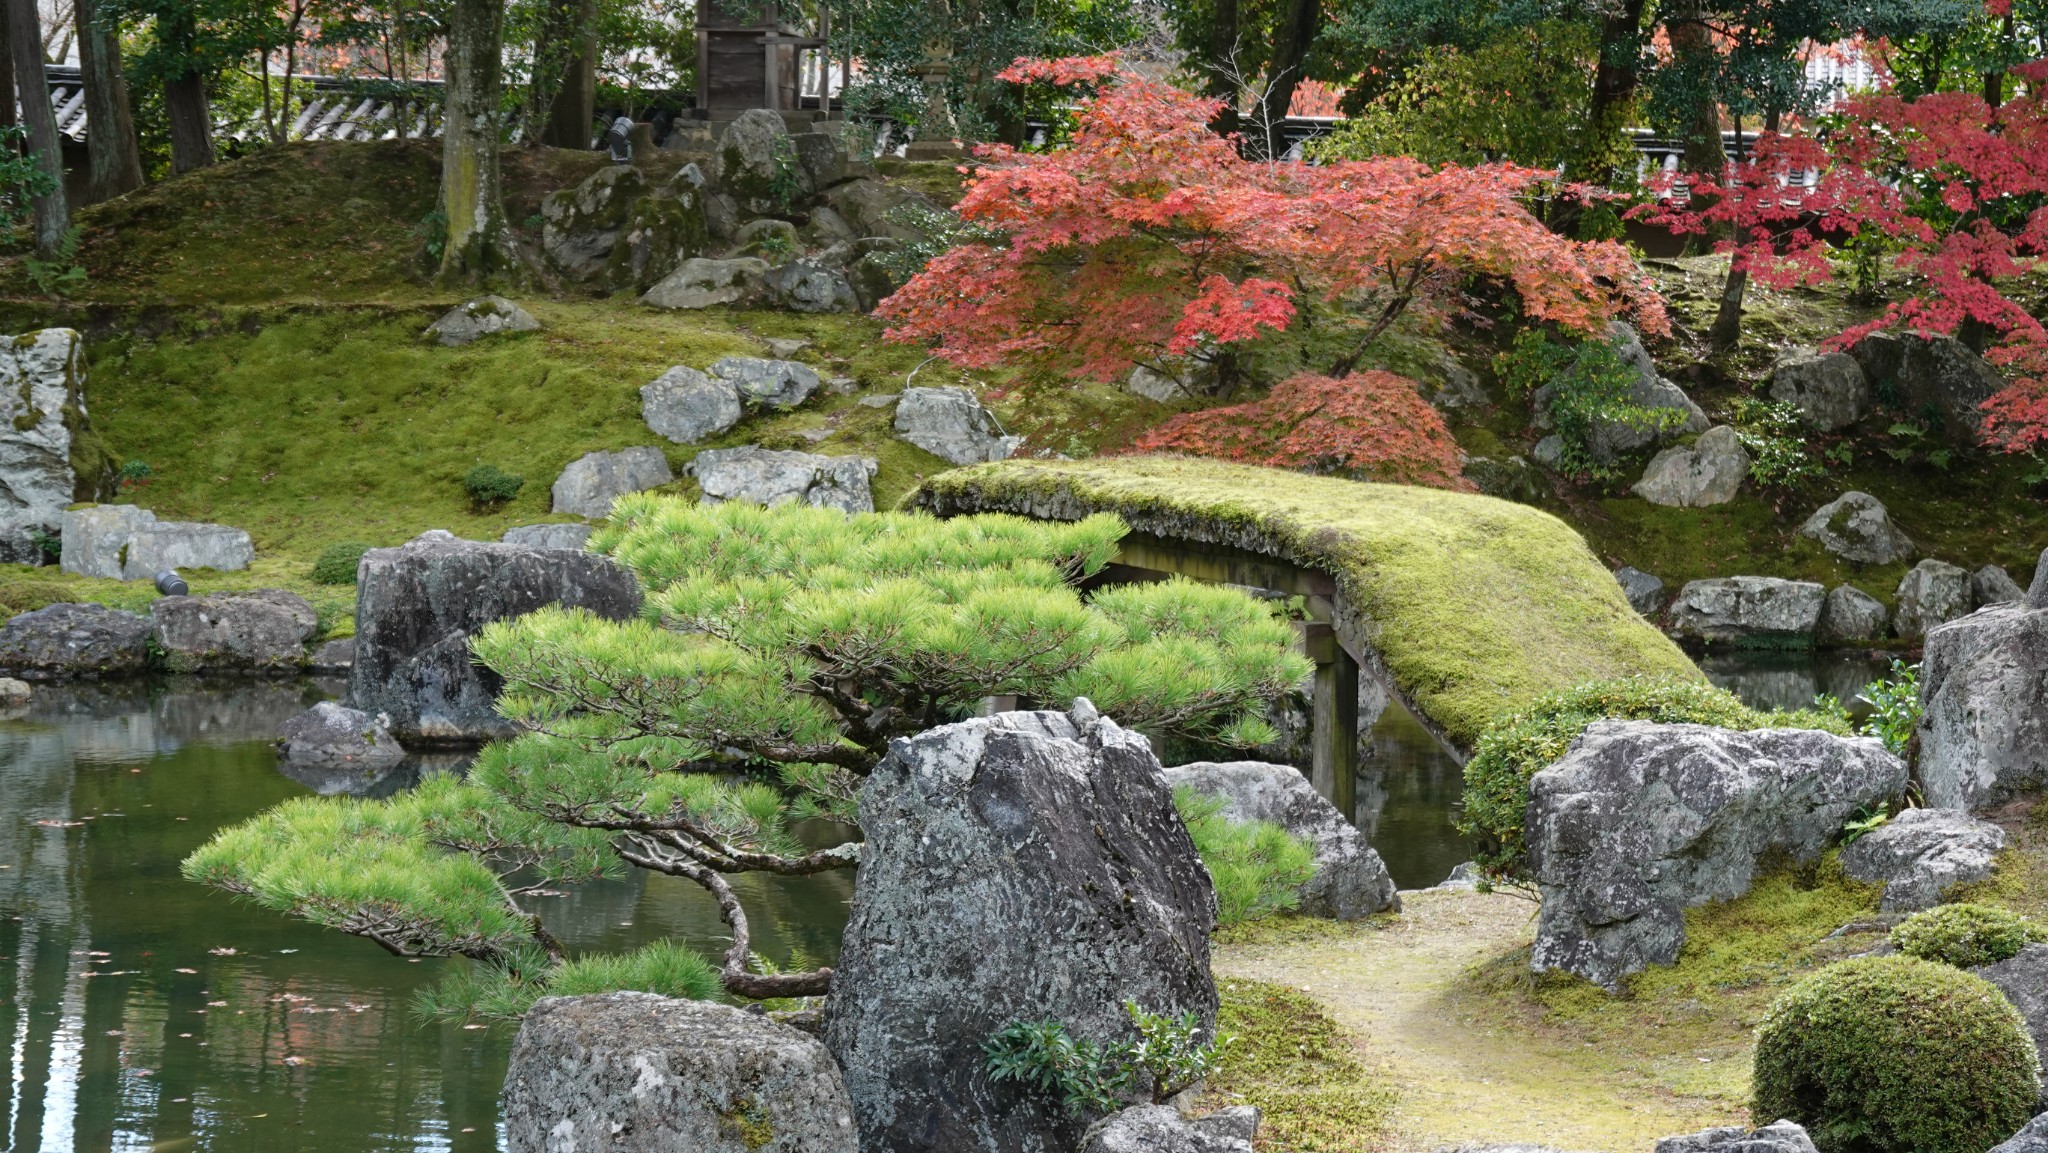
x,y
778,653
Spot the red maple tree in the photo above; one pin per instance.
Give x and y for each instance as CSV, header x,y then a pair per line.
x,y
1147,236
1372,425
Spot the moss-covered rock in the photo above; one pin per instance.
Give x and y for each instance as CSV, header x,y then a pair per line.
x,y
1468,607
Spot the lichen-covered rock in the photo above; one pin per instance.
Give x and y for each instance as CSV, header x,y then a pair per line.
x,y
686,405
769,477
1932,372
1984,707
418,605
1922,853
1706,473
949,422
700,282
1350,881
1639,822
64,641
1778,1137
751,153
877,208
1027,866
567,536
594,480
331,733
581,226
768,383
48,459
264,631
1856,527
1747,610
1931,593
1992,585
95,539
157,545
1161,1129
1850,616
2023,979
1645,593
808,286
637,1073
2033,1136
1829,389
474,319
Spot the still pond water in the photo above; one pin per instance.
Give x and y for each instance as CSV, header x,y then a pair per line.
x,y
140,1012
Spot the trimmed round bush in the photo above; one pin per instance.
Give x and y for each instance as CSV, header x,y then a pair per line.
x,y
1896,1055
1518,747
1965,936
488,485
337,563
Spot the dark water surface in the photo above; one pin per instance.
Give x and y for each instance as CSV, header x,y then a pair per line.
x,y
141,1012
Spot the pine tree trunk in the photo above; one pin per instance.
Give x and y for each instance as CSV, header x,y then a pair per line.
x,y
114,157
572,116
471,122
25,42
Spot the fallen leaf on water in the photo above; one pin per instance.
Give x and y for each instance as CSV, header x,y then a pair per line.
x,y
216,1004
192,971
222,951
294,1060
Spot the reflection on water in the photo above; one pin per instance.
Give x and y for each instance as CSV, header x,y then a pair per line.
x,y
139,1011
1768,680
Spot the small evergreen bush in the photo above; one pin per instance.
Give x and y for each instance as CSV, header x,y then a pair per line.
x,y
1518,747
1256,866
1895,1055
1965,935
488,484
1590,385
337,563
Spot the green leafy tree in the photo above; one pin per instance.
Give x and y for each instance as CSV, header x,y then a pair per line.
x,y
780,652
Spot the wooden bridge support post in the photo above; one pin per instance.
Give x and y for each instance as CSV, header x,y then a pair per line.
x,y
1333,743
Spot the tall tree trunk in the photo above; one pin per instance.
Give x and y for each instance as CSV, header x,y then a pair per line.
x,y
1994,80
1615,76
25,41
114,158
1299,24
1222,65
471,122
1692,50
8,116
572,115
191,122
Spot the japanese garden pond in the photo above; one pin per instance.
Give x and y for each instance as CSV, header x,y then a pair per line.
x,y
142,1012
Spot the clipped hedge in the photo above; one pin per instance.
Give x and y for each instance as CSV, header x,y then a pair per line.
x,y
1517,748
1965,936
1896,1055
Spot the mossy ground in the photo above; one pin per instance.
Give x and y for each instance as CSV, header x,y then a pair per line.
x,y
1290,1060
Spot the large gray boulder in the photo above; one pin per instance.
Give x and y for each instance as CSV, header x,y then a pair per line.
x,y
1856,527
564,536
1350,881
1162,1129
1708,472
580,226
686,405
949,422
620,230
594,480
418,605
879,208
2023,978
1849,616
751,152
1026,866
1984,707
637,1073
65,641
1748,610
95,539
1932,372
472,320
1931,593
770,477
1610,440
1921,854
810,286
1639,822
768,383
331,733
1777,1137
1829,389
157,545
1992,585
42,413
700,282
2033,1136
264,631
1645,592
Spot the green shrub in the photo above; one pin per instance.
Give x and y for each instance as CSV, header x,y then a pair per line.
x,y
1590,385
1168,1055
1894,707
1965,936
1256,866
337,563
1518,747
1895,1055
488,484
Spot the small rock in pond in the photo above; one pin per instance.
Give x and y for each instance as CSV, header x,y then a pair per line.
x,y
332,733
1850,616
64,641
